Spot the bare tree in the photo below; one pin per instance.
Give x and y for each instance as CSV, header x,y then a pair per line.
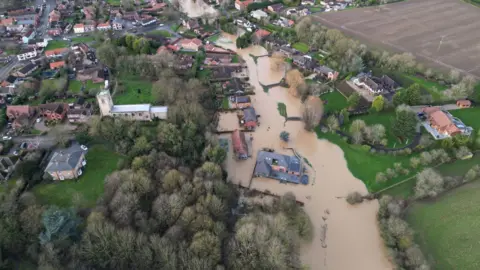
x,y
294,78
312,112
277,61
429,184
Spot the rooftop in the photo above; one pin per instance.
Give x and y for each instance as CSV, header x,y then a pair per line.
x,y
131,108
65,159
159,109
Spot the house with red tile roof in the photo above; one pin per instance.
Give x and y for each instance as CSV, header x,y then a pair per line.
x,y
79,28
53,111
261,33
55,52
193,44
89,13
239,144
242,5
54,16
104,26
7,22
57,65
214,49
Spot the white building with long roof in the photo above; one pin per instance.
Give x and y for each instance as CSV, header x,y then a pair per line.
x,y
136,112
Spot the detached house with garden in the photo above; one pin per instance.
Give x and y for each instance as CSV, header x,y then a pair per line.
x,y
67,163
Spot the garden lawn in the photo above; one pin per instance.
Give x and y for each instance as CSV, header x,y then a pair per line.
x,y
301,47
56,44
426,83
76,86
100,163
213,38
131,95
385,119
447,228
163,33
334,101
365,165
469,117
83,39
316,9
114,2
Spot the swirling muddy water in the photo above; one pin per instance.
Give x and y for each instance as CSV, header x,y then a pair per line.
x,y
345,236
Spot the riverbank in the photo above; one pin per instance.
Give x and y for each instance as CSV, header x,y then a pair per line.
x,y
345,236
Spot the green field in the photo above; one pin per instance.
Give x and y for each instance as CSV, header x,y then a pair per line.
x,y
83,39
334,101
469,117
426,83
301,47
446,228
365,165
76,86
100,163
114,2
131,95
56,44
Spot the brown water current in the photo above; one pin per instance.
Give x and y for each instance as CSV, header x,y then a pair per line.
x,y
345,236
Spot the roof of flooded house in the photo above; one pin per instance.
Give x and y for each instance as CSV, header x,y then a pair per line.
x,y
265,160
238,142
242,99
249,114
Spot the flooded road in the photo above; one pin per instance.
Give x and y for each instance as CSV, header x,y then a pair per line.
x,y
345,237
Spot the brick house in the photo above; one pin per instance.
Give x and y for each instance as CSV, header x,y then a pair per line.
x,y
441,122
54,16
53,111
242,5
20,115
326,72
67,163
80,112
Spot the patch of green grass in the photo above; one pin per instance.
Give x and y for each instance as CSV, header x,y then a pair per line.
x,y
35,132
213,38
316,9
114,2
56,44
131,93
76,86
100,163
469,117
83,39
334,101
426,83
282,109
386,119
175,27
447,228
365,165
6,186
225,103
301,47
163,33
235,59
204,74
272,28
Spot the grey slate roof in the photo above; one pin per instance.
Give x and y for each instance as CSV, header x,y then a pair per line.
x,y
264,163
65,159
249,114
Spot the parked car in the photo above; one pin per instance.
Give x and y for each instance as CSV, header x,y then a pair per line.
x,y
6,138
23,145
84,148
16,152
39,120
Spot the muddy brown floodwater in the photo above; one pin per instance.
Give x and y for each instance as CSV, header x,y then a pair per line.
x,y
345,236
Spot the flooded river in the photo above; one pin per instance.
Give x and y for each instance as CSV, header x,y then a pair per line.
x,y
346,237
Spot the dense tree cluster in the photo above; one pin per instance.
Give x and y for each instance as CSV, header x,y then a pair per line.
x,y
398,236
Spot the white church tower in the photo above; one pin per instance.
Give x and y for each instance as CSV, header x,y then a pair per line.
x,y
105,102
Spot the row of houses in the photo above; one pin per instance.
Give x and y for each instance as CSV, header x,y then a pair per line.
x,y
22,116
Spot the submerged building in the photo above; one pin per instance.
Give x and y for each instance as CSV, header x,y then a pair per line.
x,y
281,167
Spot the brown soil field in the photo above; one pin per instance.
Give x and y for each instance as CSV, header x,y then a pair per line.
x,y
443,34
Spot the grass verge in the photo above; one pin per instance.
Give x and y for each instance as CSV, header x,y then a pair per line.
x,y
100,163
